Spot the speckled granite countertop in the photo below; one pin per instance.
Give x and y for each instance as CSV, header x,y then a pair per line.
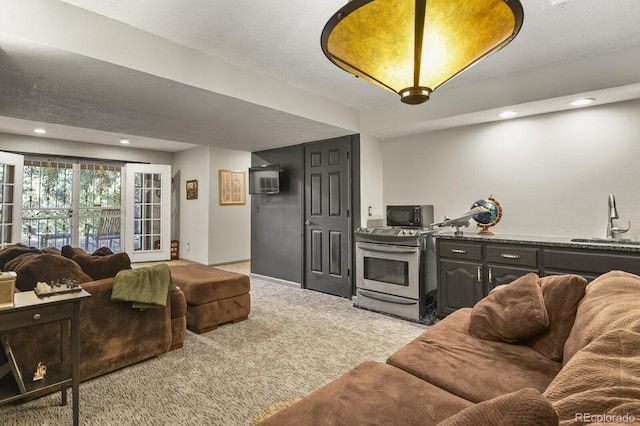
x,y
538,240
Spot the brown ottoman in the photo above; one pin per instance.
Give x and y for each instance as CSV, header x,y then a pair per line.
x,y
213,296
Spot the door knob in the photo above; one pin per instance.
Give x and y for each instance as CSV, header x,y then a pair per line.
x,y
307,222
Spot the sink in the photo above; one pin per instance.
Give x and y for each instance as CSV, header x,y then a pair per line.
x,y
606,241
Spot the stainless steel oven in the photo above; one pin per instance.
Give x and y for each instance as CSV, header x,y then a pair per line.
x,y
392,271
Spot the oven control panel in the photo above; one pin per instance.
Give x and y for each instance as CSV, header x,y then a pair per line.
x,y
389,232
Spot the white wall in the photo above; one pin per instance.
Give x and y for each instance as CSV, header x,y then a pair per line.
x,y
229,226
371,179
214,234
193,214
47,146
552,173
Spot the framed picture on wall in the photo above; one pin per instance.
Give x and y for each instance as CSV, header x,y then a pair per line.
x,y
232,187
192,190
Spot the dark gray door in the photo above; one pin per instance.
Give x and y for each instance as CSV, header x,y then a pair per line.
x,y
327,223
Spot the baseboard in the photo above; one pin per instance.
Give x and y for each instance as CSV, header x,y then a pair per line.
x,y
276,280
230,263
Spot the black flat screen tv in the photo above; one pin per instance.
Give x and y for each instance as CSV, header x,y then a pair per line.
x,y
264,179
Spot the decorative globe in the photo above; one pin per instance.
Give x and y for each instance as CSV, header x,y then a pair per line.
x,y
489,218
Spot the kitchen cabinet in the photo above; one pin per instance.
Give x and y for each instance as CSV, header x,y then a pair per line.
x,y
459,285
499,275
505,263
589,263
467,272
470,267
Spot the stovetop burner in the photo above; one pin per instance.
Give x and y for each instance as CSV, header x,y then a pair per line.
x,y
392,235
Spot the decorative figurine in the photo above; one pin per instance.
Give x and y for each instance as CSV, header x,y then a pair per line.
x,y
41,371
460,221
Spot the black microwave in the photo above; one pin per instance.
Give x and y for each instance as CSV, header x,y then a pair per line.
x,y
410,216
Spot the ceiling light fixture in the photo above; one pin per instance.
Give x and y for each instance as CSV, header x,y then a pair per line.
x,y
39,131
125,141
582,102
507,114
411,47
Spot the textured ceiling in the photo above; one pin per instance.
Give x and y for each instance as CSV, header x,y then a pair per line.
x,y
282,38
43,84
279,39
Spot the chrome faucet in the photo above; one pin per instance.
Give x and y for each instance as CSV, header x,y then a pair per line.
x,y
613,231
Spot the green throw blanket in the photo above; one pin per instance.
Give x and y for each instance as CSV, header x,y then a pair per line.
x,y
146,287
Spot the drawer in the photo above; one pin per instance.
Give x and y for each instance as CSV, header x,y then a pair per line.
x,y
590,261
456,250
34,316
512,255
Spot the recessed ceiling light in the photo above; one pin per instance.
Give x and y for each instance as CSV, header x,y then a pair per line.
x,y
124,141
507,114
39,131
582,102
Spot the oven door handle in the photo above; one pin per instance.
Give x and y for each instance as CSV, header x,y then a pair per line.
x,y
387,249
387,297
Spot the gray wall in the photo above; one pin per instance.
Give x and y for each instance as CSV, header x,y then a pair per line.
x,y
276,220
277,231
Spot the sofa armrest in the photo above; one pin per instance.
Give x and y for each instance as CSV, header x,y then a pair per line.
x,y
114,335
178,304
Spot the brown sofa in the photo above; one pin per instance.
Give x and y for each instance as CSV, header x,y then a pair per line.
x,y
112,334
539,351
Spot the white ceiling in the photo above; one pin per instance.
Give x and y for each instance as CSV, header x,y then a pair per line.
x,y
87,99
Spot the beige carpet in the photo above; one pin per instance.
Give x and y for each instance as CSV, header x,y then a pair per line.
x,y
274,408
293,342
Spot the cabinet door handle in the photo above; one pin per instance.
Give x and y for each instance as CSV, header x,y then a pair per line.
x,y
458,251
479,273
36,317
490,276
510,256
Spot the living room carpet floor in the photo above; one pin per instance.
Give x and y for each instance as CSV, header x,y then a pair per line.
x,y
294,342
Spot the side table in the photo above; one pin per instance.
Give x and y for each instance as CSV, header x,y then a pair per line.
x,y
29,311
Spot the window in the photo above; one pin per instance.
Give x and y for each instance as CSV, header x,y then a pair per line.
x,y
53,191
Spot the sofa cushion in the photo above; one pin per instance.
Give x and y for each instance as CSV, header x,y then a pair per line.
x,y
52,250
372,393
101,267
526,407
69,251
601,379
102,251
611,301
447,356
11,252
511,313
562,294
31,268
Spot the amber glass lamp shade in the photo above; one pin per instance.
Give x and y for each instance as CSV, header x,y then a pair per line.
x,y
412,47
